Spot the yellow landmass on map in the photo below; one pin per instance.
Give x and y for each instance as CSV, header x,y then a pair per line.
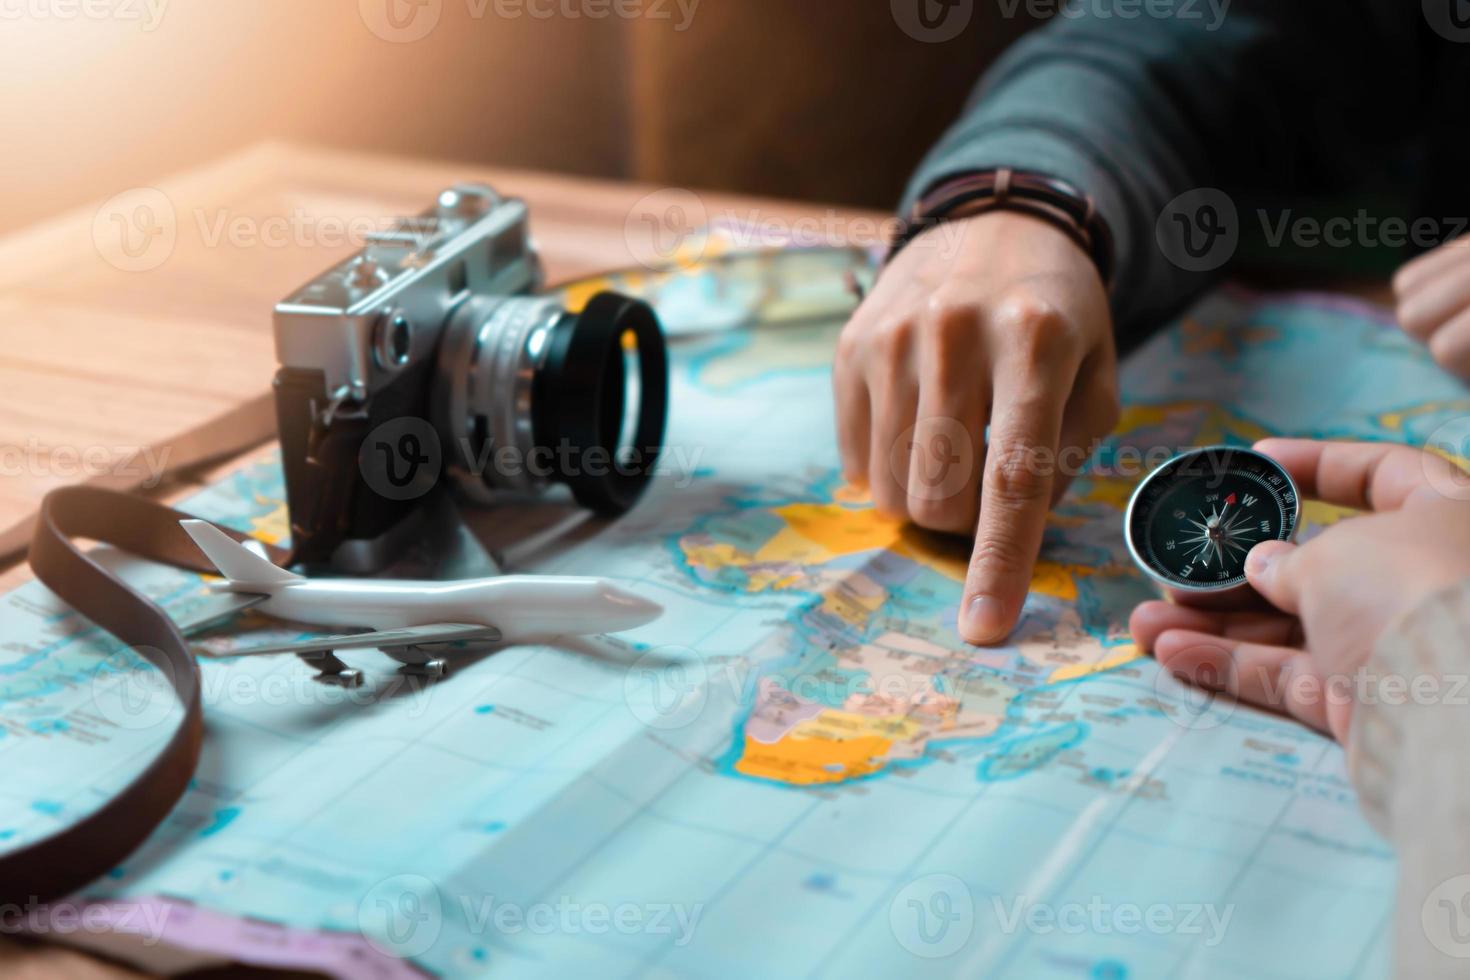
x,y
807,761
1120,655
832,747
816,533
1397,420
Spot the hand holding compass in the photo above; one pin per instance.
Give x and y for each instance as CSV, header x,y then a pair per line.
x,y
1334,595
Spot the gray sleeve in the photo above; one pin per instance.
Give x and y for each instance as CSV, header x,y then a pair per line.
x,y
1137,108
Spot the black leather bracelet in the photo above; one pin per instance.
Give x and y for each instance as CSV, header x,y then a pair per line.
x,y
1048,198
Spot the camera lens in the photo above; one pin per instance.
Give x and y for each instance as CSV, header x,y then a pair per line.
x,y
529,394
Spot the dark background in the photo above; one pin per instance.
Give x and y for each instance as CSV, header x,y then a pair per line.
x,y
827,100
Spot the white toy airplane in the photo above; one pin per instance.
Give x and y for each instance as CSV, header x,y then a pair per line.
x,y
403,616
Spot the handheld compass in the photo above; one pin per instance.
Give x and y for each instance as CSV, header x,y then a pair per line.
x,y
1192,521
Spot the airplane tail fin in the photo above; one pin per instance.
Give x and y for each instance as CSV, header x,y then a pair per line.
x,y
243,567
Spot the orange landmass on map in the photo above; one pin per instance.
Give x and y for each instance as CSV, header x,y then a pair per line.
x,y
805,761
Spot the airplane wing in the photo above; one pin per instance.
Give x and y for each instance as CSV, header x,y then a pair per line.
x,y
372,640
216,609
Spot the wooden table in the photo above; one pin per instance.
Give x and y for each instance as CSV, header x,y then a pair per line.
x,y
121,355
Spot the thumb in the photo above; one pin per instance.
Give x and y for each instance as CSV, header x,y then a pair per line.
x,y
1272,568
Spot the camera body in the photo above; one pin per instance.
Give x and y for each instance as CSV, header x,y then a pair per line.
x,y
426,356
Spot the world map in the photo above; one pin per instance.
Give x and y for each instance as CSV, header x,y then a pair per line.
x,y
799,770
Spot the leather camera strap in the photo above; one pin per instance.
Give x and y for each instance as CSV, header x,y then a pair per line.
x,y
81,852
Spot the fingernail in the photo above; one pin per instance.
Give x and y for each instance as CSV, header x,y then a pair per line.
x,y
985,619
1259,560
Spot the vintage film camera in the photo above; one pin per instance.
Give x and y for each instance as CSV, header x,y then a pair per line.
x,y
426,358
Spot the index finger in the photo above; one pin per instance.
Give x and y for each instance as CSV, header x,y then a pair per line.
x,y
1366,475
1015,496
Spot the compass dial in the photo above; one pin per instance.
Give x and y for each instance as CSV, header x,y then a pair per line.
x,y
1193,520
